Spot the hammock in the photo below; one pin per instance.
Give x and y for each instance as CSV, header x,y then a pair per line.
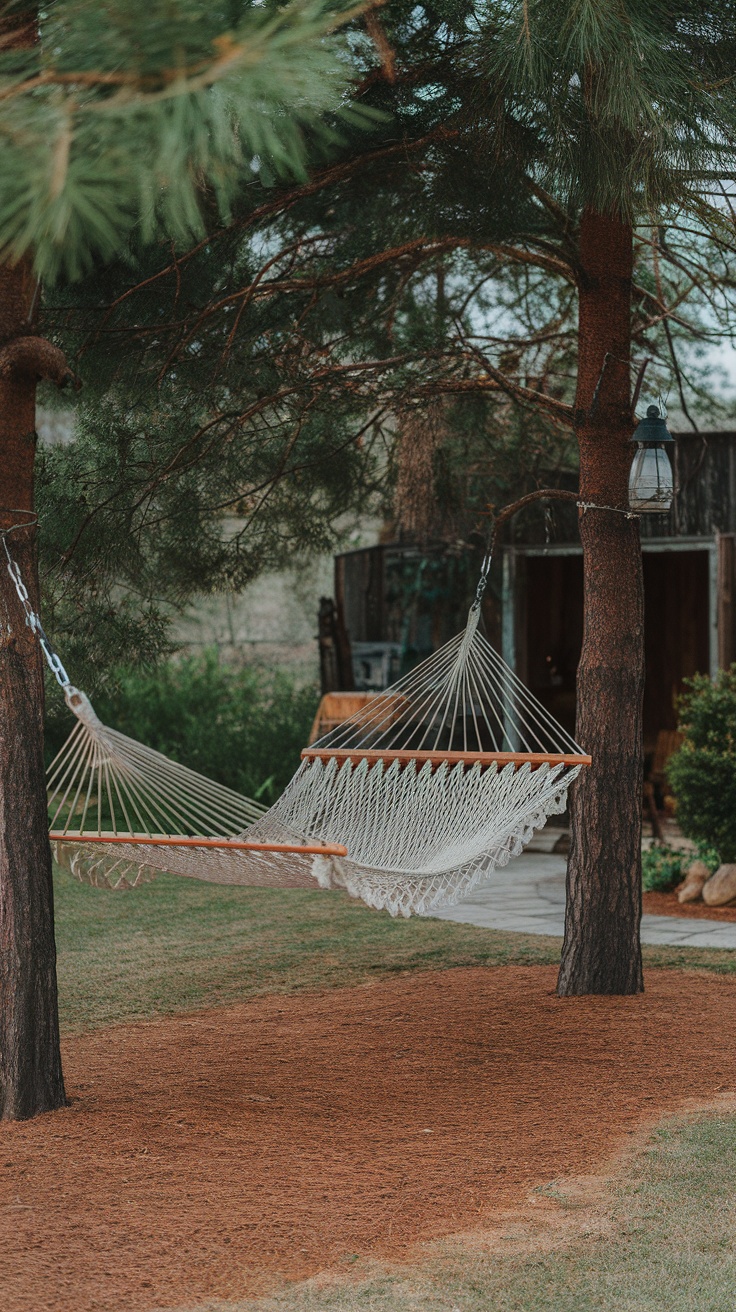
x,y
443,777
438,780
119,811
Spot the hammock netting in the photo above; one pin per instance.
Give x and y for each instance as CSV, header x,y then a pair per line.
x,y
120,811
440,779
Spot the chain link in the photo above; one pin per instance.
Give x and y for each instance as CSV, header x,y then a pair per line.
x,y
592,505
34,622
485,570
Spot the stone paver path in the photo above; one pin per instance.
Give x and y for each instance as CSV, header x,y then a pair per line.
x,y
528,897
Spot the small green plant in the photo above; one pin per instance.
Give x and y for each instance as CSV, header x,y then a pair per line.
x,y
702,773
662,868
709,856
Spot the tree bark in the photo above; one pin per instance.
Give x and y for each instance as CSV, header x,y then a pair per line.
x,y
31,1078
601,951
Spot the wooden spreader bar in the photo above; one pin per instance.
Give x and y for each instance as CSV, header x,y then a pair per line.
x,y
404,757
227,844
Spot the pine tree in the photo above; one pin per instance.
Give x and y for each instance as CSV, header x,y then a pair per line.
x,y
545,144
120,124
124,125
626,111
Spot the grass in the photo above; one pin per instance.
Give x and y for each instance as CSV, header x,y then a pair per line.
x,y
670,1244
177,945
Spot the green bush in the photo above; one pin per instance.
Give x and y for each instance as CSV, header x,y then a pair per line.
x,y
662,868
702,773
244,727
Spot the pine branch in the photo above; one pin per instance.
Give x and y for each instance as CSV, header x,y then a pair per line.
x,y
501,517
39,358
286,201
495,381
103,138
530,396
562,217
553,263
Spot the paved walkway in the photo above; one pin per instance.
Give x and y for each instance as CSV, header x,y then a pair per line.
x,y
528,897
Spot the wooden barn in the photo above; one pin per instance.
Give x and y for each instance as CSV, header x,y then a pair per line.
x,y
689,566
398,603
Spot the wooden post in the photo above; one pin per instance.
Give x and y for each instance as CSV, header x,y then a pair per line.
x,y
726,543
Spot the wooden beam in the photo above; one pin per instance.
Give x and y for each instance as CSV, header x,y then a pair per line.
x,y
226,844
405,757
726,599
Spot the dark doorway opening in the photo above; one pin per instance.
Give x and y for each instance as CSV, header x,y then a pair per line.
x,y
550,631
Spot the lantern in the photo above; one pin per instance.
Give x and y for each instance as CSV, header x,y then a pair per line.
x,y
651,487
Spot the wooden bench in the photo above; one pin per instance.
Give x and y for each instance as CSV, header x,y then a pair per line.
x,y
336,707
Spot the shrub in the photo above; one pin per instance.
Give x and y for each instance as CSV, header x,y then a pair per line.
x,y
662,868
244,727
702,773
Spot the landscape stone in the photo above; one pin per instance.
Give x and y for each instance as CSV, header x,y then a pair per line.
x,y
720,889
695,876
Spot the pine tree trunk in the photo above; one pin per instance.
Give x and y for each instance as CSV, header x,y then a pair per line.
x,y
601,951
30,1061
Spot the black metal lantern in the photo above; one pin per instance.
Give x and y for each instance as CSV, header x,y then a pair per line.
x,y
651,487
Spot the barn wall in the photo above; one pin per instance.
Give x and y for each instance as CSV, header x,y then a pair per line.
x,y
704,467
705,482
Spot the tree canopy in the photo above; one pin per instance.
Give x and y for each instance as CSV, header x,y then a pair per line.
x,y
245,391
122,123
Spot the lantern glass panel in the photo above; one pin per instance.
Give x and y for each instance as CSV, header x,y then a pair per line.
x,y
651,486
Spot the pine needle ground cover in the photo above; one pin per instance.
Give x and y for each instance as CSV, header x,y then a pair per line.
x,y
659,1235
179,945
367,1138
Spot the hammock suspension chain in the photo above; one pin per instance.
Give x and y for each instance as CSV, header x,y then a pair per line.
x,y
485,570
33,619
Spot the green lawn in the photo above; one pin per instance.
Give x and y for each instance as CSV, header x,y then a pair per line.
x,y
178,944
671,1247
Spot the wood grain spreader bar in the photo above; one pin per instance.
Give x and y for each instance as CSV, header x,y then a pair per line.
x,y
227,844
341,755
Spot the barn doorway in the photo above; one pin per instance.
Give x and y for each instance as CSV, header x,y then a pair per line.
x,y
548,592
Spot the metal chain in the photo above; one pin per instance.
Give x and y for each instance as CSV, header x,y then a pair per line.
x,y
34,622
591,505
485,570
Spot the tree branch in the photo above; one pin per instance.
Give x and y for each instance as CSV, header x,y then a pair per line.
x,y
517,255
287,199
39,358
543,494
498,382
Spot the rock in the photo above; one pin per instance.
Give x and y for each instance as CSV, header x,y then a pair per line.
x,y
720,889
695,876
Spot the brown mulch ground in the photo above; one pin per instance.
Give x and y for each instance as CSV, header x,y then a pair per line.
x,y
215,1154
666,904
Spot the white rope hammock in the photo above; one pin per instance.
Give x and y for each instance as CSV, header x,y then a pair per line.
x,y
408,804
119,811
440,779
